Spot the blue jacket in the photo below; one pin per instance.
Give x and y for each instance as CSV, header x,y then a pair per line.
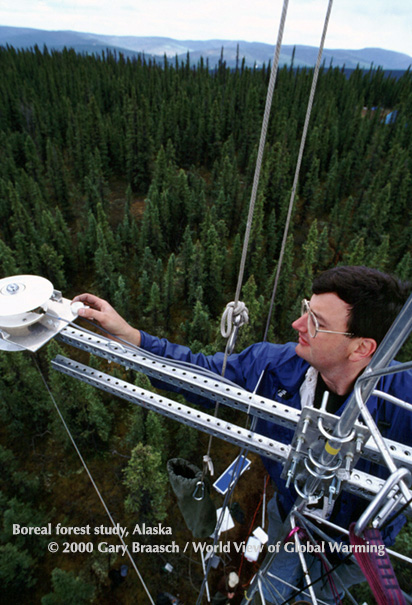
x,y
283,377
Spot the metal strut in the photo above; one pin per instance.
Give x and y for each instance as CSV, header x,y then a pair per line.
x,y
167,407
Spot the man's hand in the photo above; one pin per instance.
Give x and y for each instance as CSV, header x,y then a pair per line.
x,y
102,312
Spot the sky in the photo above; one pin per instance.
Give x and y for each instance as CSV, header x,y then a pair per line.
x,y
354,24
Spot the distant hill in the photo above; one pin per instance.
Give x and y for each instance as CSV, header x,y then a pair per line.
x,y
254,53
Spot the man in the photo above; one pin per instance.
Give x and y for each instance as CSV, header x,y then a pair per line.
x,y
349,313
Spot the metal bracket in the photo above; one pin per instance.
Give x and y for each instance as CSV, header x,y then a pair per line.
x,y
4,335
32,337
384,502
314,427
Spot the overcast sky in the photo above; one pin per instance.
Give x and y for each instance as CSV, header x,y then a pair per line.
x,y
354,24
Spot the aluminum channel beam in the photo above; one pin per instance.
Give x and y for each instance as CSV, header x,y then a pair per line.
x,y
214,389
359,483
188,380
237,435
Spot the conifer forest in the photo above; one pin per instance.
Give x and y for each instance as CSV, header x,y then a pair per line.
x,y
131,180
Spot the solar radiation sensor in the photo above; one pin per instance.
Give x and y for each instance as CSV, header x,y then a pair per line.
x,y
31,312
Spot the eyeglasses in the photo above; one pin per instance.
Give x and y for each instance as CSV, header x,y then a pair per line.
x,y
313,324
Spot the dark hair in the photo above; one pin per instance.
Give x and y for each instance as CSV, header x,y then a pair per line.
x,y
375,298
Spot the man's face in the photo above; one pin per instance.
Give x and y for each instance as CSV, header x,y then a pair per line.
x,y
326,351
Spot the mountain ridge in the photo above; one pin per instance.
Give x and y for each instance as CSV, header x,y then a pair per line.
x,y
254,53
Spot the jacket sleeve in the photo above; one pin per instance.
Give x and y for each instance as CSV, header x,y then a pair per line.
x,y
177,352
243,368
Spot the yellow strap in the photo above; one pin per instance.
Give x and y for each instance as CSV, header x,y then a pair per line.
x,y
331,450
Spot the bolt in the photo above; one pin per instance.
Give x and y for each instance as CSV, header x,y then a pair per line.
x,y
12,288
332,492
291,472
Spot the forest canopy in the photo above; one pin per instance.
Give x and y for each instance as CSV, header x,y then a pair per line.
x,y
132,180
